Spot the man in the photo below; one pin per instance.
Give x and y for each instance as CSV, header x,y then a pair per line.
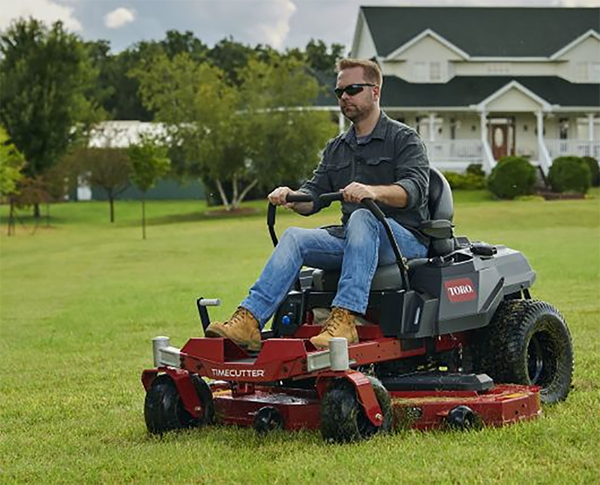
x,y
376,158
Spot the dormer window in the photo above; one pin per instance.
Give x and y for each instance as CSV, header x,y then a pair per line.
x,y
588,72
435,71
425,72
594,72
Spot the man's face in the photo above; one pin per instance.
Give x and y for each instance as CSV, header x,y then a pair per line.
x,y
359,106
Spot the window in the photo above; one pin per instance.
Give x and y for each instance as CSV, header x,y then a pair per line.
x,y
420,71
582,71
435,71
454,125
424,127
563,128
594,72
427,71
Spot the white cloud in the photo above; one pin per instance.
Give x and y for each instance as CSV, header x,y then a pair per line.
x,y
274,26
47,11
253,21
119,18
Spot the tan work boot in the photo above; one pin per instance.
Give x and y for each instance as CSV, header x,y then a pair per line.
x,y
339,324
242,328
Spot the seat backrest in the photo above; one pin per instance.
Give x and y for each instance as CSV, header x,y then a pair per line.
x,y
441,207
440,196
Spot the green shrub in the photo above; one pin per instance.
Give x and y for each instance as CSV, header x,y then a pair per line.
x,y
512,177
592,163
569,174
465,181
476,169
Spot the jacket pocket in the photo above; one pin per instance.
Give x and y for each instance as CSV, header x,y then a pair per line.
x,y
379,171
336,165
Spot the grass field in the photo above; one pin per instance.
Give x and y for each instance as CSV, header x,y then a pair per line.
x,y
81,300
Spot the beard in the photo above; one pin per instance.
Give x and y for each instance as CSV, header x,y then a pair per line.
x,y
354,112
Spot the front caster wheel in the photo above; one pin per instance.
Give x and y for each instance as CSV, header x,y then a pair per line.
x,y
343,418
164,410
462,418
267,419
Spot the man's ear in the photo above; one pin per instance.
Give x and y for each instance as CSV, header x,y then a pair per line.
x,y
376,92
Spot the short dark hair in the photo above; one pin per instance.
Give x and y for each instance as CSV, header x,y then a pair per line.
x,y
371,69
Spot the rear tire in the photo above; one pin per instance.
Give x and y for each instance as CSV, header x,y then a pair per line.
x,y
528,342
343,418
164,410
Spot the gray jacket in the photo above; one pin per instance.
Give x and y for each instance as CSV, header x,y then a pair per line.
x,y
392,154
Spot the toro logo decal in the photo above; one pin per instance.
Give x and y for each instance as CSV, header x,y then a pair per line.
x,y
460,290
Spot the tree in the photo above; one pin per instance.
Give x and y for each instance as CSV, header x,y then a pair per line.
x,y
176,43
149,162
247,136
198,107
11,163
230,56
46,80
322,59
284,135
104,167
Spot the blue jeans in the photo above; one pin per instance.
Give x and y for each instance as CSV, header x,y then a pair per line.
x,y
364,247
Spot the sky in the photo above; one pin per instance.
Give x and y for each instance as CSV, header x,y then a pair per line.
x,y
279,23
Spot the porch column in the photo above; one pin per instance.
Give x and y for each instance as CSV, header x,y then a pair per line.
x,y
543,155
540,127
590,118
431,126
341,123
483,125
488,157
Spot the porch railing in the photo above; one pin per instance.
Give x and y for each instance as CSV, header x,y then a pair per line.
x,y
454,155
578,148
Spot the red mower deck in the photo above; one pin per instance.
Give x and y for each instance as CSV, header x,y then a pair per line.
x,y
248,384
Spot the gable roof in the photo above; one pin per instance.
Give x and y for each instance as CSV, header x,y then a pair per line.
x,y
465,91
422,35
483,31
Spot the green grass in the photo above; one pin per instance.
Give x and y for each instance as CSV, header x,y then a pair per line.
x,y
81,300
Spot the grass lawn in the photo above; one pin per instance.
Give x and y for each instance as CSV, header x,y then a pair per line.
x,y
81,300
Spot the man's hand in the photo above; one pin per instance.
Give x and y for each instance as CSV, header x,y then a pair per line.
x,y
392,195
278,197
356,192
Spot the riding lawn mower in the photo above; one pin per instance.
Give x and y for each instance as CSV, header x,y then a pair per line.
x,y
453,340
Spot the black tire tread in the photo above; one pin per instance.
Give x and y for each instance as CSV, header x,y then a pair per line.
x,y
342,417
164,411
502,347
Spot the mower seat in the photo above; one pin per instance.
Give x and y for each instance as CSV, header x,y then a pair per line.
x,y
441,211
438,228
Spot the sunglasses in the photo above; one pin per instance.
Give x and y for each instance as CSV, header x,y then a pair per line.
x,y
351,89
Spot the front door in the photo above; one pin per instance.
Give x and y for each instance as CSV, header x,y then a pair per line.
x,y
501,137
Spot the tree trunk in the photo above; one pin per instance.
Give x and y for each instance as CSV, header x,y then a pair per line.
x,y
36,211
11,218
143,215
223,195
234,195
236,202
47,214
111,203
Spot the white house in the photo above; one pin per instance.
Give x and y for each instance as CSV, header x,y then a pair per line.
x,y
483,83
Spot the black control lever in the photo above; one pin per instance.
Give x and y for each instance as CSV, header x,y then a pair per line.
x,y
339,196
